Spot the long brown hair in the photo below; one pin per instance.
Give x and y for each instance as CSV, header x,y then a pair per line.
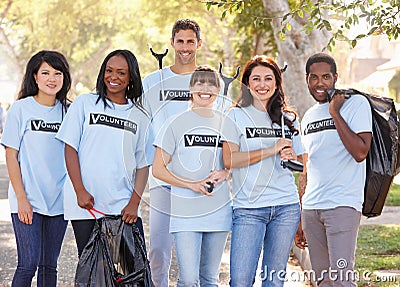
x,y
277,104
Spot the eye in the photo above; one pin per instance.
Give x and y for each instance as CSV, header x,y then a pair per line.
x,y
326,77
59,73
108,70
313,77
256,78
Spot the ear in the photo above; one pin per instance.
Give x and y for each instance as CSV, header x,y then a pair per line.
x,y
199,43
172,42
335,76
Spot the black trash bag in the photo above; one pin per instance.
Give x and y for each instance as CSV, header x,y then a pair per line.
x,y
383,160
114,256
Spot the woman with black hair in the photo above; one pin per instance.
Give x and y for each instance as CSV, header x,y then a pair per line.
x,y
266,210
36,167
105,148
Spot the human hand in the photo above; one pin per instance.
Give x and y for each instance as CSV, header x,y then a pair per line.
x,y
336,103
288,153
300,239
201,186
281,144
85,199
130,213
25,211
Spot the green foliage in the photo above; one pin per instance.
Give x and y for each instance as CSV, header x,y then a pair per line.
x,y
381,17
393,198
378,248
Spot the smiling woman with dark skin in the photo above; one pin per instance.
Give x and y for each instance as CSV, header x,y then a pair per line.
x,y
105,148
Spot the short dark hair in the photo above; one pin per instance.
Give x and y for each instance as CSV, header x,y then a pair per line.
x,y
321,57
134,90
56,60
205,74
186,24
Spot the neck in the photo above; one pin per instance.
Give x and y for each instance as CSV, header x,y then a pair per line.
x,y
260,105
45,100
204,112
183,69
119,100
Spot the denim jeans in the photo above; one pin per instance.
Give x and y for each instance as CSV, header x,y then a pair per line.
x,y
199,256
38,248
270,229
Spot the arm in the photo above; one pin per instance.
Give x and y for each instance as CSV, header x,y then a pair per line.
x,y
84,198
160,171
299,238
356,144
25,210
130,211
234,158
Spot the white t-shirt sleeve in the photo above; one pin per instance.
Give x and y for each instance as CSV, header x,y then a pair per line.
x,y
145,151
361,121
165,140
71,129
14,128
230,131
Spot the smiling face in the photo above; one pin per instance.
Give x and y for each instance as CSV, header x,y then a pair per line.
x,y
319,80
116,78
262,84
185,43
49,80
204,94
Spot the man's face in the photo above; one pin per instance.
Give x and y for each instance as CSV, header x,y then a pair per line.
x,y
319,80
185,44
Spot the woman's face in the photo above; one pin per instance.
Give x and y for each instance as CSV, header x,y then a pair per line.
x,y
49,80
204,94
116,77
262,83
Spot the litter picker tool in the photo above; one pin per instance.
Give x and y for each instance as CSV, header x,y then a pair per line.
x,y
159,58
292,165
227,81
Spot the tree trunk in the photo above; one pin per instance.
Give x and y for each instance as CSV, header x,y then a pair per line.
x,y
295,51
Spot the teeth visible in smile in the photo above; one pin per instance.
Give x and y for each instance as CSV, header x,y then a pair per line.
x,y
204,96
320,91
113,84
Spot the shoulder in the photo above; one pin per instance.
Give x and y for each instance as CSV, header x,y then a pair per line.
x,y
155,76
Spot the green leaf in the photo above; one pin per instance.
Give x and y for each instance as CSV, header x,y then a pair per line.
x,y
288,26
300,13
353,43
282,37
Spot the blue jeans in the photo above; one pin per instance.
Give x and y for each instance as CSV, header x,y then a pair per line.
x,y
38,248
199,256
269,228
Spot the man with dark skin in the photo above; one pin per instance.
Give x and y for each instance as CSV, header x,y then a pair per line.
x,y
337,137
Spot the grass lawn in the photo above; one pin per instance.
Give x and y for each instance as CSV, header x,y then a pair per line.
x,y
378,248
393,198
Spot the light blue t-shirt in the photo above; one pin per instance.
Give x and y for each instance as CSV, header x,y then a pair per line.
x,y
175,100
334,177
30,129
111,143
190,139
265,183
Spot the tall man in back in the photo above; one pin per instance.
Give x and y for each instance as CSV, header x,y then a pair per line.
x,y
163,100
337,137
